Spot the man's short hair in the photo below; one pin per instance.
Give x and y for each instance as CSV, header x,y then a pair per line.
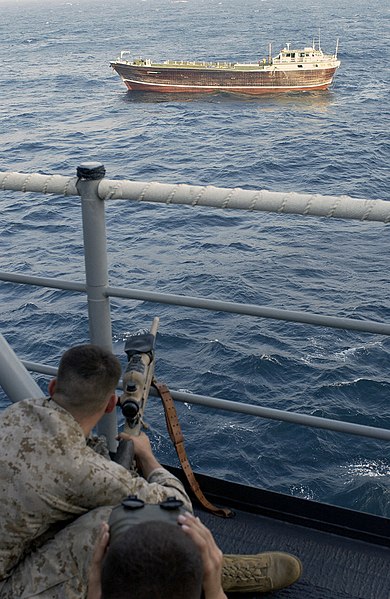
x,y
152,560
86,375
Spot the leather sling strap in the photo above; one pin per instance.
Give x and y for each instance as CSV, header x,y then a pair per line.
x,y
177,438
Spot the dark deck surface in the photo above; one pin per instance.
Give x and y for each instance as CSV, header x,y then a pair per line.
x,y
345,554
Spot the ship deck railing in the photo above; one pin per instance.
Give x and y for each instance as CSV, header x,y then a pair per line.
x,y
96,192
197,64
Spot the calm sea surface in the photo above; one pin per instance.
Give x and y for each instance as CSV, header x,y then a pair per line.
x,y
62,105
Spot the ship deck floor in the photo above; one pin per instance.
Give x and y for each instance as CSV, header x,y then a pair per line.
x,y
345,554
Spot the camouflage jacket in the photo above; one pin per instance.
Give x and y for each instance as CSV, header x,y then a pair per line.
x,y
48,474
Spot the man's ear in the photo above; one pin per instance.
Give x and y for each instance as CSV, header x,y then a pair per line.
x,y
111,404
52,387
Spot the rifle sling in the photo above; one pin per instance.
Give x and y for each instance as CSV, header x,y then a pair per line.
x,y
177,438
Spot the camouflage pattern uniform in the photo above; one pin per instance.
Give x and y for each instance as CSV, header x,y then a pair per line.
x,y
48,476
59,568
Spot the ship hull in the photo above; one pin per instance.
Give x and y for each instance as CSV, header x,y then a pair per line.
x,y
253,82
254,91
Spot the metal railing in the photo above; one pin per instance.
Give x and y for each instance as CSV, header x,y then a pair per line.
x,y
95,190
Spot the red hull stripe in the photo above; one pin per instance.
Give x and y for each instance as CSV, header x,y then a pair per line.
x,y
164,88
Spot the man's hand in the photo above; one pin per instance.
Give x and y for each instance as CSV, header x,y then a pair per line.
x,y
94,578
143,452
212,556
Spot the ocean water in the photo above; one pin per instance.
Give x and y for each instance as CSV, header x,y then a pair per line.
x,y
62,105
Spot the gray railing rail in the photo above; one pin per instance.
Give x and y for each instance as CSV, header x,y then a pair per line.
x,y
257,411
197,195
94,190
367,326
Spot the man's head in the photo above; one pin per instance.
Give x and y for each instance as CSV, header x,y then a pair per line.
x,y
152,560
87,377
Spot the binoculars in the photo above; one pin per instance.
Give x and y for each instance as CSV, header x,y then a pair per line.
x,y
132,511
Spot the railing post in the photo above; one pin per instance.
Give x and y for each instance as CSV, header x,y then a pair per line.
x,y
16,381
96,272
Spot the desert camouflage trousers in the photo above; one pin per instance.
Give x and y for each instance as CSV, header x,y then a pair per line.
x,y
59,568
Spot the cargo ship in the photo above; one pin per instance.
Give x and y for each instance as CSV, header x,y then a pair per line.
x,y
307,69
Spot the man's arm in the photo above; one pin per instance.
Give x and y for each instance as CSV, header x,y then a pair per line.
x,y
146,460
94,578
96,481
153,472
212,557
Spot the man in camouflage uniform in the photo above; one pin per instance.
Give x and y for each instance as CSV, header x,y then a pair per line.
x,y
56,490
52,480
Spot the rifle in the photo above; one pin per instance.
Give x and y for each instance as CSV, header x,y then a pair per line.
x,y
136,382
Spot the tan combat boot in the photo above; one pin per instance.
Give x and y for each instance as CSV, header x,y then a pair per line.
x,y
259,573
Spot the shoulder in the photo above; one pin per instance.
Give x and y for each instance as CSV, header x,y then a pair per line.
x,y
40,419
29,407
20,412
